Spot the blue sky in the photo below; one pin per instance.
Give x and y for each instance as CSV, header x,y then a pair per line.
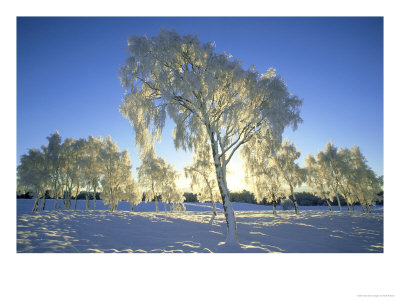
x,y
67,76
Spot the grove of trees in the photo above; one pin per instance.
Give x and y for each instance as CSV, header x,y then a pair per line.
x,y
67,168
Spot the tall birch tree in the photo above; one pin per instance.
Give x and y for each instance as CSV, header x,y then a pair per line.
x,y
200,90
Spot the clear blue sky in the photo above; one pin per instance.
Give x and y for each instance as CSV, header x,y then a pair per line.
x,y
67,76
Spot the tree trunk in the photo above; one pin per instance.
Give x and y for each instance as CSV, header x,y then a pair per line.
x,y
274,206
55,196
94,199
69,199
363,208
338,201
65,197
132,206
293,198
231,238
352,206
36,205
76,194
87,201
156,198
368,208
348,206
44,202
214,213
165,207
330,206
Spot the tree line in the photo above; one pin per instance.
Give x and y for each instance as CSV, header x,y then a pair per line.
x,y
96,168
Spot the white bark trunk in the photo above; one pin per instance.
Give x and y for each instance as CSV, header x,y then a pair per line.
x,y
231,238
294,200
330,207
338,201
44,203
94,198
36,205
87,201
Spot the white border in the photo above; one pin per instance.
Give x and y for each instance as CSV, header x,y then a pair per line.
x,y
186,276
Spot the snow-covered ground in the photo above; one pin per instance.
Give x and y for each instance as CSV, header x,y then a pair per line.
x,y
315,229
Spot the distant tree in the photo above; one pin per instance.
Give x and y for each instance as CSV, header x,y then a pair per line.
x,y
116,168
132,193
55,163
262,173
190,197
316,181
289,171
201,90
330,162
157,178
72,152
365,184
203,179
32,175
92,167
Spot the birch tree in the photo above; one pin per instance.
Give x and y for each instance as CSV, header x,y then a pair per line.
x,y
262,172
202,90
329,162
116,168
54,160
32,175
203,179
364,183
132,193
92,167
288,169
158,178
316,181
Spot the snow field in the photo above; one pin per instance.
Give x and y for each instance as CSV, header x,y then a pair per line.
x,y
312,231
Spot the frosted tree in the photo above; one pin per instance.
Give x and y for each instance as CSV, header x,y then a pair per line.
x,y
92,165
116,168
262,173
288,169
32,175
329,162
202,90
55,162
157,178
132,193
348,176
203,179
315,180
72,152
68,168
364,183
170,193
150,176
266,185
